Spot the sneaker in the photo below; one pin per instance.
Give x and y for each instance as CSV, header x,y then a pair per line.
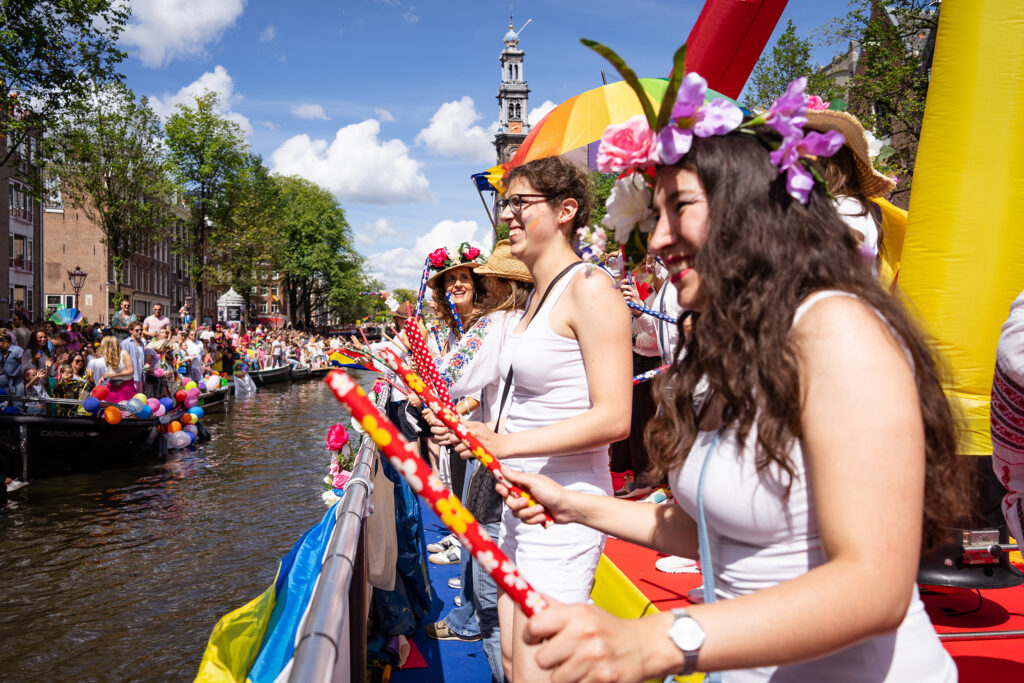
x,y
442,545
696,595
457,600
450,556
659,495
673,564
439,631
627,486
455,582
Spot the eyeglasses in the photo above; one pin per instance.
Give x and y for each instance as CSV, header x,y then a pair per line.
x,y
515,202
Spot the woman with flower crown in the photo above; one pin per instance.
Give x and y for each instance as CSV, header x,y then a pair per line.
x,y
568,361
823,456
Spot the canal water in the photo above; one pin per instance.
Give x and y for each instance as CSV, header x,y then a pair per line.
x,y
120,575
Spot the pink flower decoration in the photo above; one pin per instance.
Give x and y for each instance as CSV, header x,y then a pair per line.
x,y
341,478
438,257
627,145
337,437
472,253
815,103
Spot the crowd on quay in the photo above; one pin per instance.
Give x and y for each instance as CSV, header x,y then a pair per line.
x,y
796,432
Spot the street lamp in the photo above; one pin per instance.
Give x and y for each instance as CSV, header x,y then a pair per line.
x,y
77,278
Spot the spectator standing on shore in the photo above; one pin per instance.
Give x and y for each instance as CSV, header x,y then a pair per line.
x,y
153,324
122,320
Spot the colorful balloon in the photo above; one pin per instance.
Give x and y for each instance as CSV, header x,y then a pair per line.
x,y
112,415
91,404
101,392
174,426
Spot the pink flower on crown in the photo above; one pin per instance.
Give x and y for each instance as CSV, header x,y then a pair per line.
x,y
815,103
472,253
438,257
627,145
691,117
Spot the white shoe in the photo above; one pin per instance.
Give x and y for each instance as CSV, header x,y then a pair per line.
x,y
673,564
457,600
451,556
455,582
445,543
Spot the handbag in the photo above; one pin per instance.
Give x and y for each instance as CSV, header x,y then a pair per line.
x,y
482,500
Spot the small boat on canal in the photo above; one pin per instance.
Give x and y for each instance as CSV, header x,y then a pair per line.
x,y
319,373
35,446
281,373
216,401
301,372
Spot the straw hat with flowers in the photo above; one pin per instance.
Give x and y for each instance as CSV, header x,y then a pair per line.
x,y
872,183
503,264
442,260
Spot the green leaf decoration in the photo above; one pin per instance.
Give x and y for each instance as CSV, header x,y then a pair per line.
x,y
627,74
884,153
667,102
838,104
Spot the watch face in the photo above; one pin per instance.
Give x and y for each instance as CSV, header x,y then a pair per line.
x,y
686,634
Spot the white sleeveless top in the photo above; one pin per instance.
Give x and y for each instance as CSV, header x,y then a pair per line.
x,y
549,385
759,539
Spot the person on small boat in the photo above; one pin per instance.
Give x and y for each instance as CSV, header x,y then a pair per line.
x,y
38,351
11,374
821,460
119,366
36,383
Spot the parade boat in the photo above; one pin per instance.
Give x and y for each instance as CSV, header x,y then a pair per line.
x,y
36,446
301,372
215,401
281,373
319,373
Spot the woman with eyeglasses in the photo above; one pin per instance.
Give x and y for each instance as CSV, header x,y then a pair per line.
x,y
569,360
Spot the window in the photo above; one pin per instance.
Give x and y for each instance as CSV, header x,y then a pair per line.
x,y
274,308
273,290
54,301
20,202
263,307
21,253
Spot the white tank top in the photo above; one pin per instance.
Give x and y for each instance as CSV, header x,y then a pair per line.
x,y
549,385
759,539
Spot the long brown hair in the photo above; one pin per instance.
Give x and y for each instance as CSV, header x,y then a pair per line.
x,y
518,293
764,254
445,311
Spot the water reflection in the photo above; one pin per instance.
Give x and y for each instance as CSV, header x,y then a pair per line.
x,y
120,575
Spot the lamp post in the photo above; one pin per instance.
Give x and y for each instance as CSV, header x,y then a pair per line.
x,y
77,279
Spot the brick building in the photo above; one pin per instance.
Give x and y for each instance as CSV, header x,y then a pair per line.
x,y
21,280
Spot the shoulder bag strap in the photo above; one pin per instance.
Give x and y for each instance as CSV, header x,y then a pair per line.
x,y
543,298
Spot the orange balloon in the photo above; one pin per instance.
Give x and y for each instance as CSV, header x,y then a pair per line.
x,y
174,427
112,415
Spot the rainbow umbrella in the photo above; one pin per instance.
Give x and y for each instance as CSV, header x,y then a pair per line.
x,y
66,316
573,129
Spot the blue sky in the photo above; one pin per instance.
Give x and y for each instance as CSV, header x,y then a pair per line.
x,y
390,104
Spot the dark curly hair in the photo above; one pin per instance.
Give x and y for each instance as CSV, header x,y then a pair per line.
x,y
765,252
445,311
558,180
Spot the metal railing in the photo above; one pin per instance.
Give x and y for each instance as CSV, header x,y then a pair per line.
x,y
332,636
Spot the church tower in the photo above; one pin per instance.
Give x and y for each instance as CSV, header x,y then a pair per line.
x,y
512,97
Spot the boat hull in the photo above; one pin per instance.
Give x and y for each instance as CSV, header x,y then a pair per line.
x,y
38,446
271,375
300,373
319,373
215,401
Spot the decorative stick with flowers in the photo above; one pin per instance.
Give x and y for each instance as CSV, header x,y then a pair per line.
x,y
423,286
455,313
452,421
429,487
425,362
650,374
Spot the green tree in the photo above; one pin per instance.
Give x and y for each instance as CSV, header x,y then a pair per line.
x,y
208,153
52,52
108,157
789,59
244,236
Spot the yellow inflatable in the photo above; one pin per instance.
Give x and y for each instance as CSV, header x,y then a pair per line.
x,y
963,258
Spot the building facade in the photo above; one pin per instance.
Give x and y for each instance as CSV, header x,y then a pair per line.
x,y
513,98
21,280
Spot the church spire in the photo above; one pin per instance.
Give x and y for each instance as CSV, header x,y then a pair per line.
x,y
513,96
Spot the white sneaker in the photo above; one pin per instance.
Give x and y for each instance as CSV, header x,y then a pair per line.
x,y
673,564
451,556
457,600
445,543
455,582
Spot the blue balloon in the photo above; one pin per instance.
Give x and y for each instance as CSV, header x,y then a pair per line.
x,y
145,412
182,370
91,404
11,409
167,403
196,410
3,392
191,438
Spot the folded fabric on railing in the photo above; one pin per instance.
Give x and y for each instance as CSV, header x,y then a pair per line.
x,y
255,642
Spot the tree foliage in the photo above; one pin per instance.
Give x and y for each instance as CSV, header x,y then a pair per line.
x,y
108,157
789,59
207,152
52,52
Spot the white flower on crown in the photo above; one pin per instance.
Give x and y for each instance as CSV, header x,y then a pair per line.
x,y
629,206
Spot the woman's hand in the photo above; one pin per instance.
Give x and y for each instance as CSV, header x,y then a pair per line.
x,y
629,293
552,498
585,643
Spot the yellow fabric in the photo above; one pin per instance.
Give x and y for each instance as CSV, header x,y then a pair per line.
x,y
235,641
894,232
617,595
963,259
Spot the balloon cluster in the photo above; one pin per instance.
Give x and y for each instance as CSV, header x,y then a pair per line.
x,y
179,433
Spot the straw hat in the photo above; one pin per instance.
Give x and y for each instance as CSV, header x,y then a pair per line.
x,y
872,183
450,259
503,264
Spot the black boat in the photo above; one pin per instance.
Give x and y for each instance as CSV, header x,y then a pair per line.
x,y
300,372
215,401
36,446
319,373
281,373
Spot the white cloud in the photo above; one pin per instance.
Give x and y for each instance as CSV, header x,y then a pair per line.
x,y
382,227
269,125
383,115
452,133
310,111
403,267
161,30
357,166
268,34
537,113
218,81
410,16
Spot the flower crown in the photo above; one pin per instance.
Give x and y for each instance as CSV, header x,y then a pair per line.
x,y
650,140
440,259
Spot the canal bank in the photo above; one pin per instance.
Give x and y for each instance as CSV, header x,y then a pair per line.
x,y
119,575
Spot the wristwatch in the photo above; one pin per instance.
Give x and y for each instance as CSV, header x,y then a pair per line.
x,y
688,636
